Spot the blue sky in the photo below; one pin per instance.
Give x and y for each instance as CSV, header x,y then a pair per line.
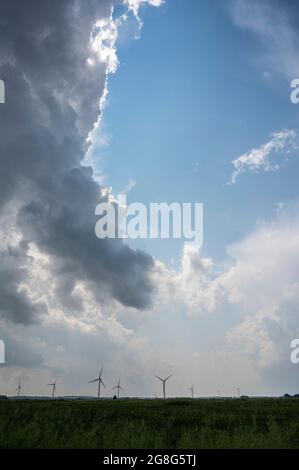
x,y
190,96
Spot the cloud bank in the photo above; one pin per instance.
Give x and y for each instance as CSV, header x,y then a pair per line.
x,y
55,60
257,288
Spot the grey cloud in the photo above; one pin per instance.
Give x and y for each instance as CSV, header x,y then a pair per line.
x,y
21,354
52,102
14,303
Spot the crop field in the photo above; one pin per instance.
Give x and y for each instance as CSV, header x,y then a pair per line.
x,y
150,424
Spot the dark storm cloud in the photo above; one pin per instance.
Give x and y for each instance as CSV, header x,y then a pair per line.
x,y
14,304
52,102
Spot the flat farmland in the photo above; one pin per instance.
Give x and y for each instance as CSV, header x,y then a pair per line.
x,y
150,424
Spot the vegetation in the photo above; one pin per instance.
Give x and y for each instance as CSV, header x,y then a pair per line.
x,y
150,424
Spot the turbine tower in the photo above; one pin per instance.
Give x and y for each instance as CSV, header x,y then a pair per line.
x,y
19,388
118,387
192,391
53,385
164,382
100,382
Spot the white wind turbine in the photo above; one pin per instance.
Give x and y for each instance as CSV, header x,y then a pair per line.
x,y
164,382
100,382
19,388
53,385
118,387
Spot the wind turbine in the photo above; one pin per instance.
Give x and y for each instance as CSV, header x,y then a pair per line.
x,y
19,388
118,387
53,389
192,391
238,392
164,382
100,381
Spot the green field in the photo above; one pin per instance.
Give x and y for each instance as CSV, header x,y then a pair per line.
x,y
150,424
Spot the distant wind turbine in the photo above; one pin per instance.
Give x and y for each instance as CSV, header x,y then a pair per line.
x,y
164,382
53,385
118,387
192,391
238,392
100,382
19,388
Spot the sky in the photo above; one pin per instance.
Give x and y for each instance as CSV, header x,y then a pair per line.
x,y
167,101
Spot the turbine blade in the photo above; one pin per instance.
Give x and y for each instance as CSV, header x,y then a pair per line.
x,y
121,388
159,378
95,380
102,383
168,377
101,371
114,387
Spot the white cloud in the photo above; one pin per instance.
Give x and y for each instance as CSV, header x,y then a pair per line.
x,y
258,288
190,286
272,22
134,5
253,338
258,159
129,186
103,39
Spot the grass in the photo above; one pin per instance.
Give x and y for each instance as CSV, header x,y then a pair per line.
x,y
150,424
